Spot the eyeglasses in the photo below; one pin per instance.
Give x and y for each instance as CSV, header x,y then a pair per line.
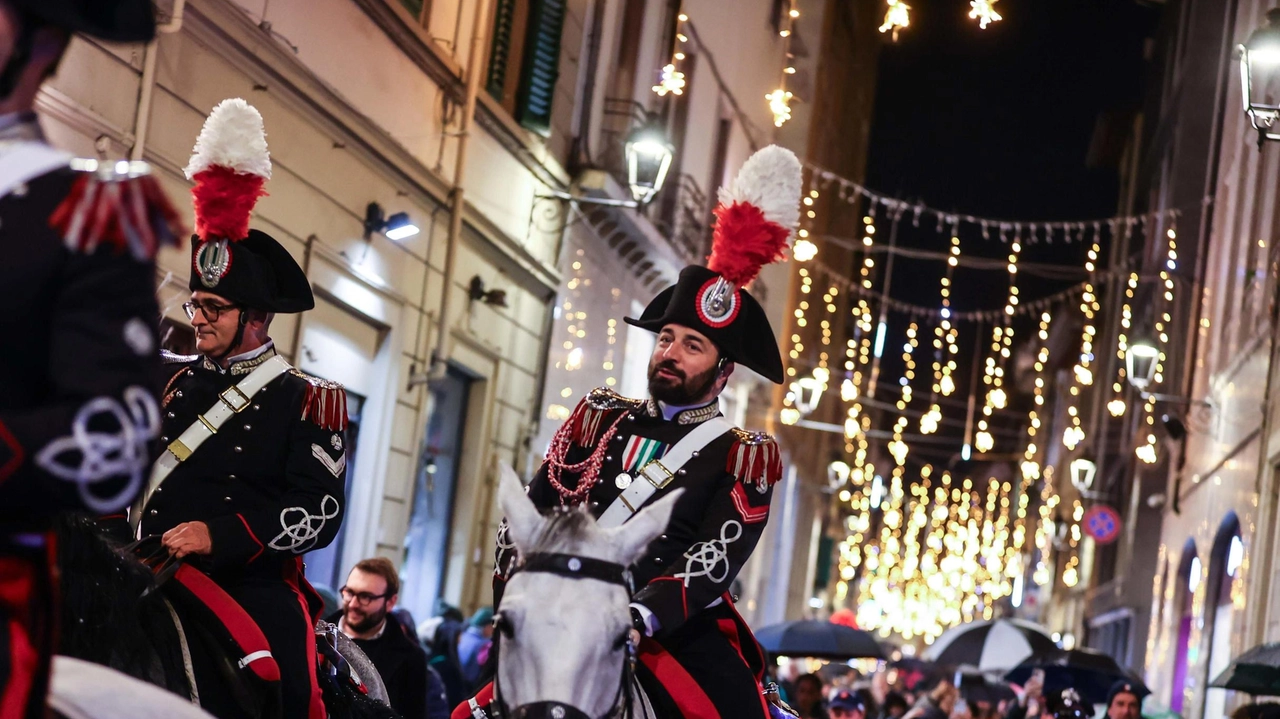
x,y
210,310
360,597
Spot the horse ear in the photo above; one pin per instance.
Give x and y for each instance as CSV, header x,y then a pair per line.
x,y
523,517
633,538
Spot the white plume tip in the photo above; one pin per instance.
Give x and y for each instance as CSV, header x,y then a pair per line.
x,y
771,180
233,136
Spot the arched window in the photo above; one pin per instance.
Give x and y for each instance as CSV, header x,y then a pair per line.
x,y
1185,584
1221,619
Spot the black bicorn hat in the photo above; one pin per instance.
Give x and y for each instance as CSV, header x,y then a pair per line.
x,y
110,20
741,330
230,166
754,220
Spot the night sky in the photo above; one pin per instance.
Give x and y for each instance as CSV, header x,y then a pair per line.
x,y
997,123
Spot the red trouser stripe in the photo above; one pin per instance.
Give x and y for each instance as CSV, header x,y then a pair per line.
x,y
689,697
316,708
26,608
729,629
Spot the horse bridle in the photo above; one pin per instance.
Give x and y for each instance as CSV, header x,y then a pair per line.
x,y
572,566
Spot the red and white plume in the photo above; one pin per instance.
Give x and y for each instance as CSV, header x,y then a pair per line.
x,y
756,215
230,164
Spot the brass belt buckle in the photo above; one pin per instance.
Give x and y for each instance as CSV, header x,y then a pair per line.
x,y
664,481
225,396
179,450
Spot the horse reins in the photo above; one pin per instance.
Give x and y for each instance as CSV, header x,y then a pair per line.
x,y
572,566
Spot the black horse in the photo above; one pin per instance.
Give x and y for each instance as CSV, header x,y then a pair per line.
x,y
115,614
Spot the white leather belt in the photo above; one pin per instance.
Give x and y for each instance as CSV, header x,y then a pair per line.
x,y
660,473
232,401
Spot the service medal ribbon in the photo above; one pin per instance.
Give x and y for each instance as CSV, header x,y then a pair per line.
x,y
640,451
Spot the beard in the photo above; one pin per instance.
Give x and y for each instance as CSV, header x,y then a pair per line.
x,y
679,392
369,621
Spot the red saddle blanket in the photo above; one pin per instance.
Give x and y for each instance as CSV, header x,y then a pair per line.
x,y
206,602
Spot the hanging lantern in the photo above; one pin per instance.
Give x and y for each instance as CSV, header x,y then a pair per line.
x,y
1140,363
649,155
1083,470
1259,68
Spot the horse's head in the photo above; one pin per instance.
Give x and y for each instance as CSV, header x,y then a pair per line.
x,y
564,619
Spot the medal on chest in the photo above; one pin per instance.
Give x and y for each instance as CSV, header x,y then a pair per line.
x,y
638,452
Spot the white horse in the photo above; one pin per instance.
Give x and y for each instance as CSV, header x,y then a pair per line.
x,y
564,650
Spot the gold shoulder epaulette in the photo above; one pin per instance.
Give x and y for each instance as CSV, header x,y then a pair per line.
x,y
603,398
754,459
325,403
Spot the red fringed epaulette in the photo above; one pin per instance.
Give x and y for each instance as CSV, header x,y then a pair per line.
x,y
588,417
118,205
325,403
754,459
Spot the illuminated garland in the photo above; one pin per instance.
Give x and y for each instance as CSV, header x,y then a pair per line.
x,y
1117,404
671,79
896,17
1082,374
1147,451
944,334
993,371
1029,233
780,99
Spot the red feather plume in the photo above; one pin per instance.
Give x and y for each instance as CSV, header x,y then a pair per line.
x,y
743,242
223,200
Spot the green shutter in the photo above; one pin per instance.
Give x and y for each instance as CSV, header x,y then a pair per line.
x,y
541,66
500,49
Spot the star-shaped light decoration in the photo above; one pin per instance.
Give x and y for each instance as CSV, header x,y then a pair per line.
x,y
671,81
780,105
984,12
896,17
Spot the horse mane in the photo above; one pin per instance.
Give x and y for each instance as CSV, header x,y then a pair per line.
x,y
565,529
105,619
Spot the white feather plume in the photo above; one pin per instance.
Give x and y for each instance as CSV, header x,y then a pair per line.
x,y
233,137
771,180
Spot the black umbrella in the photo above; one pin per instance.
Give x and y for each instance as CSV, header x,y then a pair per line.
x,y
975,687
1090,673
1257,671
914,673
821,640
995,644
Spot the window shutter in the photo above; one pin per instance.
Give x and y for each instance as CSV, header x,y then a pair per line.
x,y
500,49
541,65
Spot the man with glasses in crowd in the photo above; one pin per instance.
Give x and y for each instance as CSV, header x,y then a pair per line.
x,y
371,592
254,471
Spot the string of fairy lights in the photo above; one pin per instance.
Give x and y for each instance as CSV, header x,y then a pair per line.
x,y
927,548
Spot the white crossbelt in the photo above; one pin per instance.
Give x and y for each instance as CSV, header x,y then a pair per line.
x,y
660,473
232,401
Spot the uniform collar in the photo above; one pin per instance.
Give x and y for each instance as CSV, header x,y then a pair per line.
x,y
20,127
245,362
695,414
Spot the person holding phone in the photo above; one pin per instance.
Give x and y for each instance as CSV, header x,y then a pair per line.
x,y
1031,702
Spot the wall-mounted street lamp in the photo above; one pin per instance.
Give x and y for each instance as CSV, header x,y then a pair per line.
x,y
1140,365
1083,470
648,155
396,227
1259,68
